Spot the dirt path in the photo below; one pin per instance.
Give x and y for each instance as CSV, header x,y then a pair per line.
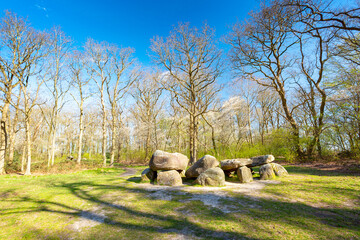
x,y
129,172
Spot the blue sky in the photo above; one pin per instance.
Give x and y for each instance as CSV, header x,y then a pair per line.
x,y
130,23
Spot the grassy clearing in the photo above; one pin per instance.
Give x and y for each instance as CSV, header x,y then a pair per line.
x,y
100,204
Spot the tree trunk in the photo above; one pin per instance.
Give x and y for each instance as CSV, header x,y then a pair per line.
x,y
212,135
81,130
249,124
296,136
53,145
156,135
213,140
12,126
23,157
11,147
195,144
113,136
3,136
49,147
147,141
191,140
28,142
291,120
179,137
103,150
119,150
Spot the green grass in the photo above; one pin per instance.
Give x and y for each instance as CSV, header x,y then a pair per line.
x,y
308,204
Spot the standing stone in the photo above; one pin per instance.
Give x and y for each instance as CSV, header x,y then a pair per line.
x,y
244,174
211,177
201,165
266,172
261,160
148,175
279,170
233,164
181,172
169,178
161,160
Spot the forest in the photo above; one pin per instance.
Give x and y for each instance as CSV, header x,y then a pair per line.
x,y
285,81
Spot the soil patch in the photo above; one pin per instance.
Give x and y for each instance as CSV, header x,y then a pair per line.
x,y
209,196
348,166
129,172
90,218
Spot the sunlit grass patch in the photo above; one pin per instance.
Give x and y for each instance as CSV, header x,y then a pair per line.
x,y
100,204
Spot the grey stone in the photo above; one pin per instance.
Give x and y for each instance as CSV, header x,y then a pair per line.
x,y
211,177
261,160
266,172
148,175
169,178
201,165
279,170
161,160
244,174
233,164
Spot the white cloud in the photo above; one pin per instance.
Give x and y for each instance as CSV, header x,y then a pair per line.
x,y
42,9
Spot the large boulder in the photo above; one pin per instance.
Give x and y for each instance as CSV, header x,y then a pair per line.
x,y
266,172
261,160
169,178
279,170
161,160
232,165
244,174
211,177
148,175
201,166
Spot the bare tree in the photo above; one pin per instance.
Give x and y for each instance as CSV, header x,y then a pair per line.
x,y
316,35
193,64
260,52
248,91
13,126
99,57
80,81
21,46
147,92
56,85
116,88
11,28
30,87
267,102
326,14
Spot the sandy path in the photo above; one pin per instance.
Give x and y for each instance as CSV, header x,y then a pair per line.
x,y
129,172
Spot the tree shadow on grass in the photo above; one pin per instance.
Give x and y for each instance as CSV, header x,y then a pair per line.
x,y
173,224
322,172
266,210
134,179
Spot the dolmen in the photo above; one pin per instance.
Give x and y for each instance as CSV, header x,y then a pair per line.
x,y
165,168
243,168
206,172
168,169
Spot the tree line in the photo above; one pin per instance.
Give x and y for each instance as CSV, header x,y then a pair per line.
x,y
293,90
